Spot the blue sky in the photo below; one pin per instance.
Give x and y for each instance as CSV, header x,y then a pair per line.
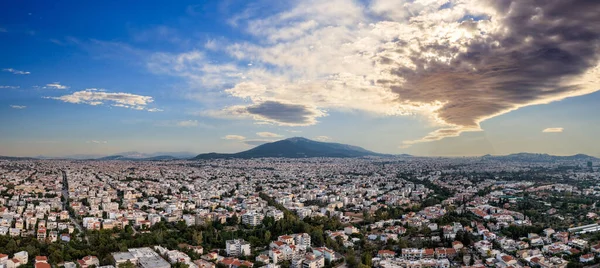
x,y
100,78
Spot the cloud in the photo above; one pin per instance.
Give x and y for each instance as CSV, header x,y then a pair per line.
x,y
18,107
95,97
284,114
268,135
234,137
9,87
322,138
553,130
56,85
188,123
13,71
97,142
456,63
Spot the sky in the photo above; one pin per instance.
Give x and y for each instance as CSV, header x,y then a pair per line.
x,y
422,77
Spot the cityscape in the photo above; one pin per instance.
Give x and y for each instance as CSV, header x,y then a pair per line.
x,y
300,134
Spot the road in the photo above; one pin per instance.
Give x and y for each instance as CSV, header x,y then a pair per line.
x,y
65,194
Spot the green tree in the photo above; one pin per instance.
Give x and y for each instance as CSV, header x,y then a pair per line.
x,y
367,259
127,264
180,265
197,238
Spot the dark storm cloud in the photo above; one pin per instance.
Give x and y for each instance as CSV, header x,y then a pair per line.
x,y
546,42
283,113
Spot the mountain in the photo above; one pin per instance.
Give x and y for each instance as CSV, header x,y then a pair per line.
x,y
530,157
12,158
138,155
135,156
296,148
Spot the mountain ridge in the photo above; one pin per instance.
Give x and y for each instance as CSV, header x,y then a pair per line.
x,y
539,157
296,147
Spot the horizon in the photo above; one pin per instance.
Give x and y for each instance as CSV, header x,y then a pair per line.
x,y
190,154
458,78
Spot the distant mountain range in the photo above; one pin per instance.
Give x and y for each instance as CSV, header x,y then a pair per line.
x,y
297,148
130,156
530,157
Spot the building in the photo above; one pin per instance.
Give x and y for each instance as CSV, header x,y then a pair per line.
x,y
148,258
252,218
122,257
237,247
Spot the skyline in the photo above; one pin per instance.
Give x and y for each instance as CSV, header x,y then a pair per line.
x,y
427,78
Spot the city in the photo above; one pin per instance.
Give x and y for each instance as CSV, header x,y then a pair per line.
x,y
300,134
308,212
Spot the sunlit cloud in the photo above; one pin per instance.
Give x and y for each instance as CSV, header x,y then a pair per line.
x,y
268,135
456,63
96,97
322,138
9,87
234,137
18,106
553,130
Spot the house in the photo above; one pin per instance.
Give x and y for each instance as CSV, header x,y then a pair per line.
x,y
204,264
22,256
457,245
586,258
39,259
262,258
328,254
42,265
235,263
88,261
313,261
13,263
3,258
385,254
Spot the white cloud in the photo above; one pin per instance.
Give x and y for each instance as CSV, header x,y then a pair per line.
x,y
95,97
234,137
553,130
455,62
10,87
13,71
97,142
322,138
56,85
188,123
268,135
18,107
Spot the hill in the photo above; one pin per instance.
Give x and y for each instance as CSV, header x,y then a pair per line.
x,y
297,147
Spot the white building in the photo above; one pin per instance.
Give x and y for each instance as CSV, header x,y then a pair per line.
x,y
237,247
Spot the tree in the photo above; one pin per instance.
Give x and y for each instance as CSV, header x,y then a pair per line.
x,y
351,259
197,238
367,259
180,265
267,237
127,264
